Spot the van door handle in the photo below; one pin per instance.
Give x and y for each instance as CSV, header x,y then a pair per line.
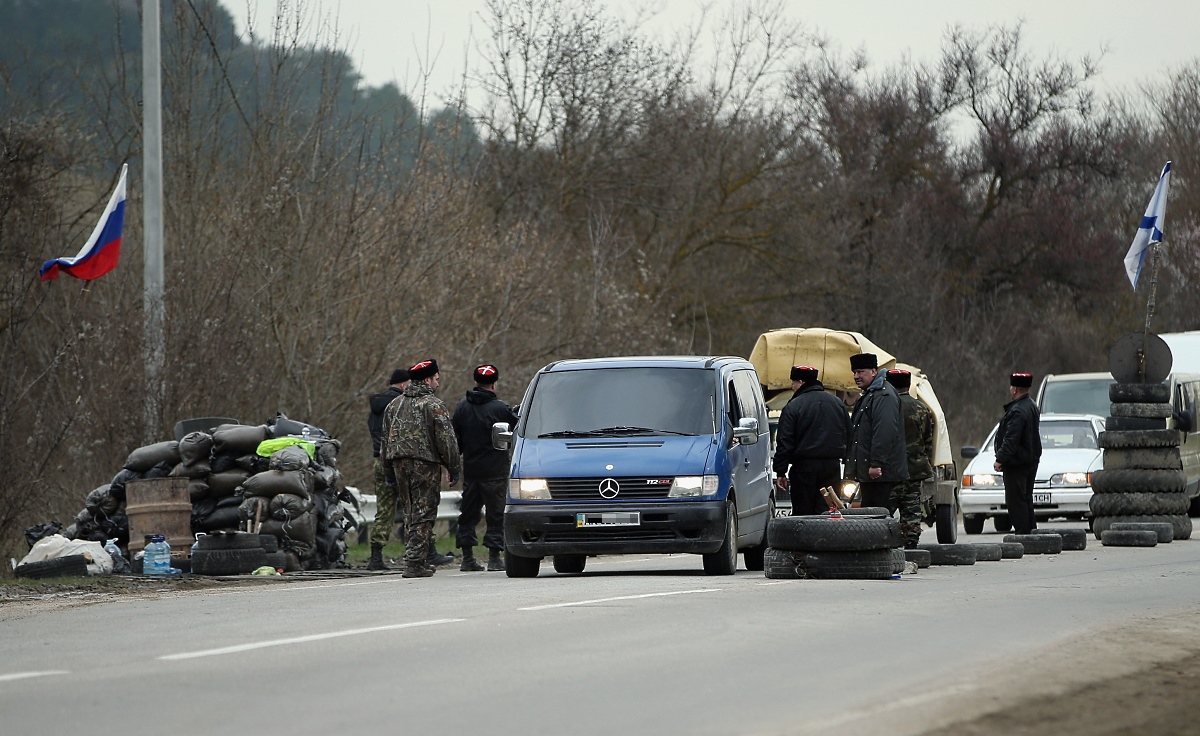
x,y
746,462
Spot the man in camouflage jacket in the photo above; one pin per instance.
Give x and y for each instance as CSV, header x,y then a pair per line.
x,y
918,437
418,443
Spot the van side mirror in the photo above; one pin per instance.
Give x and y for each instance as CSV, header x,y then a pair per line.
x,y
746,432
501,435
1183,421
968,452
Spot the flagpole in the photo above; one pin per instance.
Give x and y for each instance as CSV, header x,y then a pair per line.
x,y
1149,310
152,295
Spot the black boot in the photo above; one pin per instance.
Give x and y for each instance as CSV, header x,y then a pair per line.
x,y
495,561
469,563
435,559
376,562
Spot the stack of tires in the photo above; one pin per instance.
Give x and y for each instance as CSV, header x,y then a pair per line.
x,y
1143,479
233,553
853,547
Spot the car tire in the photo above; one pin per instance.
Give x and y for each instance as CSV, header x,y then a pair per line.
x,y
947,523
825,534
1146,458
724,560
1157,410
228,561
521,567
973,523
277,560
1037,544
1002,523
269,542
919,556
1180,524
753,556
898,560
569,564
951,554
1165,531
873,564
1012,550
1074,540
874,512
988,552
1139,393
74,566
1136,439
1126,504
780,564
1139,480
1122,538
1126,424
228,540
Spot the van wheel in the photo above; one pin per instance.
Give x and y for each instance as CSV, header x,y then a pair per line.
x,y
724,560
1002,523
521,567
974,524
569,563
754,557
947,524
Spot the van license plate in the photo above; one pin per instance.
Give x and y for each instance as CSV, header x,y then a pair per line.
x,y
1041,499
633,518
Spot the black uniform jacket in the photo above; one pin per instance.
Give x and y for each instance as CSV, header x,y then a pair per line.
x,y
1019,438
473,419
813,426
379,402
877,435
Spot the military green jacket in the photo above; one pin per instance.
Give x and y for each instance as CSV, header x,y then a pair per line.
x,y
918,436
417,425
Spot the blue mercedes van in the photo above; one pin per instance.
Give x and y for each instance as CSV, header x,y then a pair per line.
x,y
638,455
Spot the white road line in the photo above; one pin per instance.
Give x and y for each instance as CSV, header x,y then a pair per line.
x,y
341,585
304,639
27,675
773,582
618,598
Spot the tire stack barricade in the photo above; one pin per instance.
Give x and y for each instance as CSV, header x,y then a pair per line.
x,y
1143,479
853,547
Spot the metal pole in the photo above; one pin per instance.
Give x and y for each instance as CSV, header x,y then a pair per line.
x,y
1149,311
152,189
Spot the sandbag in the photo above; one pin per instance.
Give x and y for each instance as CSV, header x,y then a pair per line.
x,y
301,529
198,490
225,484
284,427
224,461
327,452
117,487
195,471
162,470
274,482
253,464
221,518
229,501
202,508
290,458
286,506
325,479
195,447
101,503
255,507
145,458
237,438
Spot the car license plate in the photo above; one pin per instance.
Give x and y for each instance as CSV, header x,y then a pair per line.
x,y
1041,499
632,518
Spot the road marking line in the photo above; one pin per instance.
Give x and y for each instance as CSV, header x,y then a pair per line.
x,y
619,598
305,639
773,582
27,675
341,585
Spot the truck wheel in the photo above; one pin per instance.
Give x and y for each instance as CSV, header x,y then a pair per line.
x,y
947,524
521,567
569,563
973,524
1125,480
724,560
1134,439
1125,504
1002,523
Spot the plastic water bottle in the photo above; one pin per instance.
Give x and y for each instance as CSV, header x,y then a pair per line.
x,y
158,557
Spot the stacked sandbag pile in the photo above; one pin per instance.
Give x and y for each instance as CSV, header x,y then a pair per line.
x,y
103,515
230,459
1142,479
850,547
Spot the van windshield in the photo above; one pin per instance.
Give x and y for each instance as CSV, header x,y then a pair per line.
x,y
622,401
1085,396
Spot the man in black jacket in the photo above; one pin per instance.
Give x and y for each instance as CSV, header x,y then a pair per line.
x,y
877,457
485,469
810,440
1018,446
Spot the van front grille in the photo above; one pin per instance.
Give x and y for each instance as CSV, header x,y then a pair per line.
x,y
617,534
628,489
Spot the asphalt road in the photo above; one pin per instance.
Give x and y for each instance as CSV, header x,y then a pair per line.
x,y
634,645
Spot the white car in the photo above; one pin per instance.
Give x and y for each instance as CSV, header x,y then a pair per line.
x,y
1062,486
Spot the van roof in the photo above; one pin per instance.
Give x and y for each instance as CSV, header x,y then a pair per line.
x,y
647,361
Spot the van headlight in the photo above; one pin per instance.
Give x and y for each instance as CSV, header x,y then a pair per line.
x,y
1071,479
528,489
689,486
983,480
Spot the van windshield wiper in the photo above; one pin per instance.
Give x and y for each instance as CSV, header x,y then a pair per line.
x,y
640,430
569,433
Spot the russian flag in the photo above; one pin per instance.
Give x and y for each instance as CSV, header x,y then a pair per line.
x,y
100,253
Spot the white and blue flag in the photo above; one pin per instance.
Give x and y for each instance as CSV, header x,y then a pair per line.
x,y
1151,229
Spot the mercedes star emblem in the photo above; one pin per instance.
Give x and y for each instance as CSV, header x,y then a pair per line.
x,y
609,488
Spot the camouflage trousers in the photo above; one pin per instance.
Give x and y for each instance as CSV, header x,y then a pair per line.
x,y
385,505
906,496
419,485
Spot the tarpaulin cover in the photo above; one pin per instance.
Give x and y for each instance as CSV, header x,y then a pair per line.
x,y
826,350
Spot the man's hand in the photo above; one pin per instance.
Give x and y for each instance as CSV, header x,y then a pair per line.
x,y
453,480
781,482
875,473
998,467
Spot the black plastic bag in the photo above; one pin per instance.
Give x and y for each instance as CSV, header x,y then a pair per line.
x,y
41,531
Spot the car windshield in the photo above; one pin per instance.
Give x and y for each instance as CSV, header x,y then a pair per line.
x,y
1084,396
622,402
1074,435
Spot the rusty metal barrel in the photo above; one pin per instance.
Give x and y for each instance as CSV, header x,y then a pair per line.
x,y
159,506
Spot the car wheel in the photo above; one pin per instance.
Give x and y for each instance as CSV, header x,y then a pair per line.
x,y
521,567
951,554
988,553
780,564
1037,544
1002,523
1115,538
229,561
947,524
724,560
753,557
876,564
569,563
56,567
974,524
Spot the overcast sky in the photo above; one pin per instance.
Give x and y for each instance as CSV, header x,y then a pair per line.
x,y
388,38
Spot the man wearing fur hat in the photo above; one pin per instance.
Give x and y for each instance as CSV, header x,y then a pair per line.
x,y
877,457
419,443
1018,446
810,442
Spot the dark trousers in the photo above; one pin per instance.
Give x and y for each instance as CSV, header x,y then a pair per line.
x,y
805,481
476,495
1018,496
877,493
